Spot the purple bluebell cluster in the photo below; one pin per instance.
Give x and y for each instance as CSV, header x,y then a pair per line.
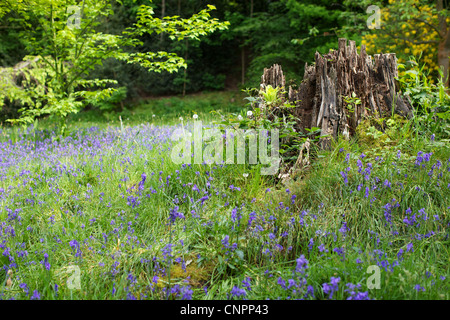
x,y
141,227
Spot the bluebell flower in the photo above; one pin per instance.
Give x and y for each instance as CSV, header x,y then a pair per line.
x,y
302,264
360,165
186,293
418,288
238,292
225,241
282,283
344,228
344,176
310,244
246,283
45,262
332,287
75,247
24,287
174,214
234,214
36,295
133,201
409,247
400,253
322,248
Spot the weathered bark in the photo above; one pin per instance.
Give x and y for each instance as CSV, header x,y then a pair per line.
x,y
273,76
319,99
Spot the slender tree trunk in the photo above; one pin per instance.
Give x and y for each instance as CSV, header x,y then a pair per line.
x,y
443,57
185,69
243,65
444,45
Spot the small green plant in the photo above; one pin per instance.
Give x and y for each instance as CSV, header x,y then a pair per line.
x,y
271,95
352,102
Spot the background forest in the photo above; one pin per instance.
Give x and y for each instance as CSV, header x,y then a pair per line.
x,y
260,33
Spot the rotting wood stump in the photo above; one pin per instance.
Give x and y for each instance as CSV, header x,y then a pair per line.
x,y
320,98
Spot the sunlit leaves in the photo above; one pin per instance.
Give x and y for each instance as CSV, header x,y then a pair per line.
x,y
67,54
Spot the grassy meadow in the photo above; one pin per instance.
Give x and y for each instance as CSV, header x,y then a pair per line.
x,y
104,213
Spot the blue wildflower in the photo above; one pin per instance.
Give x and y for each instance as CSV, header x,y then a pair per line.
x,y
174,214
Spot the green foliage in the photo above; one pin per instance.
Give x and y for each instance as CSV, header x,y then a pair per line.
x,y
351,211
431,101
271,95
278,35
260,34
409,27
109,103
67,53
211,81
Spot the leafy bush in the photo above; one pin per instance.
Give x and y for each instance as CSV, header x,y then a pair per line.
x,y
431,102
111,102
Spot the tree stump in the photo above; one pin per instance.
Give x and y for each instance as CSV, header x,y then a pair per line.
x,y
320,99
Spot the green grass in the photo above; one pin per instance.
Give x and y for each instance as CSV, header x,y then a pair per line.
x,y
82,188
167,110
